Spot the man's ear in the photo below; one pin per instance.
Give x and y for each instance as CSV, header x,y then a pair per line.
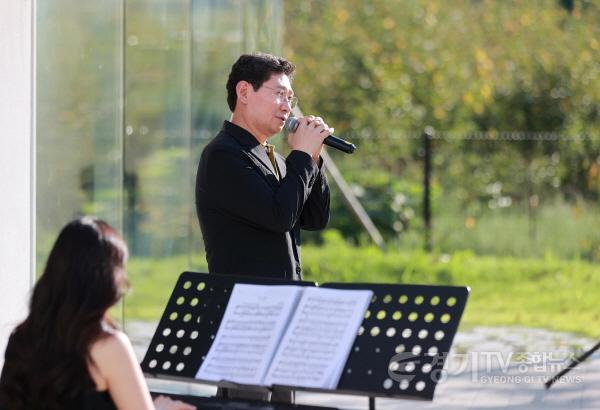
x,y
242,88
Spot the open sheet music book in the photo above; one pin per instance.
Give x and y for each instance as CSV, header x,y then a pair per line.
x,y
285,335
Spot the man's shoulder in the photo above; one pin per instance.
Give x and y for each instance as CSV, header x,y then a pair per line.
x,y
223,148
223,141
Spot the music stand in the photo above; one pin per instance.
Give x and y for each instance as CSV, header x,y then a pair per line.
x,y
399,352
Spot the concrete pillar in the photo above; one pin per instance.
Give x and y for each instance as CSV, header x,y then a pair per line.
x,y
17,162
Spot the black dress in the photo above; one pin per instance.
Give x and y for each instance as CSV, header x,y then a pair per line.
x,y
98,400
90,399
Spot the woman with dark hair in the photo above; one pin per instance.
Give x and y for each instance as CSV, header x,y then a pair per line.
x,y
67,354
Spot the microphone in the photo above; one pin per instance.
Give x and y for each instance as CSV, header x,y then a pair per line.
x,y
292,123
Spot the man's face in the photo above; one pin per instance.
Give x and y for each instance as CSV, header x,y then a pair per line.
x,y
268,108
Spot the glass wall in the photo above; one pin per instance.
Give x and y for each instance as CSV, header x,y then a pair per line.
x,y
157,128
129,91
78,108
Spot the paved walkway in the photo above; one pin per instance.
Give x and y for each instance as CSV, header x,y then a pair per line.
x,y
488,368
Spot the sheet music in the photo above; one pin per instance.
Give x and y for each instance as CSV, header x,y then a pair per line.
x,y
318,340
250,331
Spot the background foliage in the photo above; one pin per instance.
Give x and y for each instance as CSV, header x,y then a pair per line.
x,y
511,90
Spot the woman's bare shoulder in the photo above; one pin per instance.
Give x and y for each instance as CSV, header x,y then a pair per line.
x,y
113,344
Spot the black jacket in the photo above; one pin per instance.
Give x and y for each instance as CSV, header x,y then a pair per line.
x,y
250,221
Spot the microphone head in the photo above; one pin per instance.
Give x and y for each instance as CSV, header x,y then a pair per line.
x,y
291,124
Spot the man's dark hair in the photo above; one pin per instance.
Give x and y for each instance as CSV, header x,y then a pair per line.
x,y
256,69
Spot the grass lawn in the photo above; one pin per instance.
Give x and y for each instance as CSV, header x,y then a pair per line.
x,y
152,282
548,293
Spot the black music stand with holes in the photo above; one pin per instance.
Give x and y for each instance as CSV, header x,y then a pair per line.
x,y
399,352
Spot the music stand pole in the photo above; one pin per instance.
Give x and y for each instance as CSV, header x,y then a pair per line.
x,y
571,365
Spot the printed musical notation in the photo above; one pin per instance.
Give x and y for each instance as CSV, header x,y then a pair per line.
x,y
285,335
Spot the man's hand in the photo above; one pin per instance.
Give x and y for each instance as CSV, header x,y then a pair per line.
x,y
310,135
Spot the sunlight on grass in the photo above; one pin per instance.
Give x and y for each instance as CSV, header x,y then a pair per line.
x,y
548,293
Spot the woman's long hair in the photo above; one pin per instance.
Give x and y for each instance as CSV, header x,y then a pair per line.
x,y
46,361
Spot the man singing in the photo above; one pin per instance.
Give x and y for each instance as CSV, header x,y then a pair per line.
x,y
251,202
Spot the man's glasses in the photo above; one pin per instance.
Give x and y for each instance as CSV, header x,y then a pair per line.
x,y
281,95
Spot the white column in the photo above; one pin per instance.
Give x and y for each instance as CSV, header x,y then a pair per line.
x,y
17,162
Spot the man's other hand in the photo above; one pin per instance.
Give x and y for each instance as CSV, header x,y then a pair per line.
x,y
310,135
